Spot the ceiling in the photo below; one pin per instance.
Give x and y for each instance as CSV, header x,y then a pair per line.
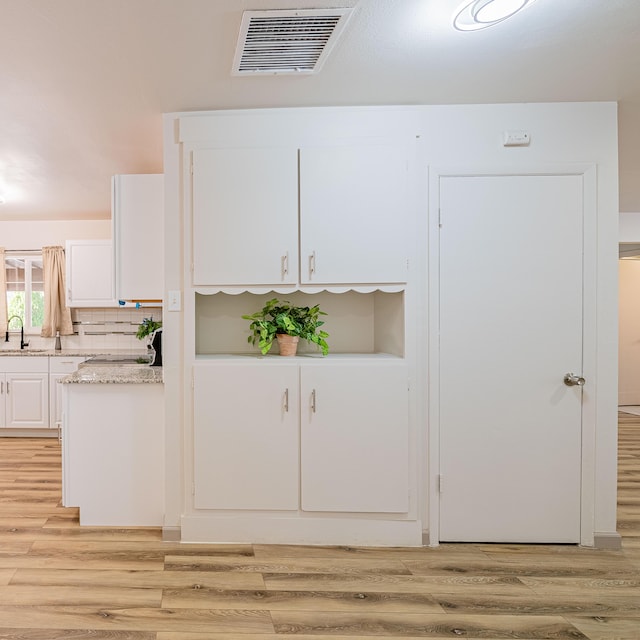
x,y
85,82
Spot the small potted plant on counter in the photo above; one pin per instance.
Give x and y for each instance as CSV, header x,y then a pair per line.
x,y
287,323
147,327
152,330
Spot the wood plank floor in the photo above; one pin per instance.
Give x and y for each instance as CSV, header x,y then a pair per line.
x,y
58,580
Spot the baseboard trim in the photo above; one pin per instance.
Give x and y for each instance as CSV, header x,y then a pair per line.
x,y
261,529
610,541
171,534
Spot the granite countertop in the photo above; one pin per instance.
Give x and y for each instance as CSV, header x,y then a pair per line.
x,y
69,353
116,374
99,373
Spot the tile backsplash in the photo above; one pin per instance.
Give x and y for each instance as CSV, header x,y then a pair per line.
x,y
102,329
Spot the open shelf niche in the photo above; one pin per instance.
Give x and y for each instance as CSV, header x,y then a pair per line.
x,y
370,322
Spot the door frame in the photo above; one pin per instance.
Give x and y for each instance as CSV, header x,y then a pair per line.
x,y
588,173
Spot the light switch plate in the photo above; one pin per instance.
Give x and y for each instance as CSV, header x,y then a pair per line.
x,y
174,301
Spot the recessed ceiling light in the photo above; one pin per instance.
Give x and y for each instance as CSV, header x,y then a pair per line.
x,y
480,14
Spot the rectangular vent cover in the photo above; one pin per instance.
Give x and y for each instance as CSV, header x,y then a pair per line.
x,y
287,42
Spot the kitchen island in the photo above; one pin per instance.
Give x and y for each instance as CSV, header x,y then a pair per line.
x,y
113,444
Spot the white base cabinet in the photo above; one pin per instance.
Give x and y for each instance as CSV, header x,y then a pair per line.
x,y
317,437
59,367
354,437
246,437
24,392
113,453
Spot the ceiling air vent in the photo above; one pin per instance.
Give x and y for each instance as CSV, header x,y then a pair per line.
x,y
292,42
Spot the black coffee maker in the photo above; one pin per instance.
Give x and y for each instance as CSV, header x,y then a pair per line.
x,y
156,346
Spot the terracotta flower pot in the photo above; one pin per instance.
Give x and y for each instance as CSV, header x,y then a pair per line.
x,y
288,344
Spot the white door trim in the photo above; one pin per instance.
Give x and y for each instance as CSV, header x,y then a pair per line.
x,y
588,172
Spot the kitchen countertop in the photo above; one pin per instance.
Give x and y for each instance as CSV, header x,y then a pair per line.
x,y
116,374
70,353
98,374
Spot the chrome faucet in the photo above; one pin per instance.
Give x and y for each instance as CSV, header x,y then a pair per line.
x,y
23,344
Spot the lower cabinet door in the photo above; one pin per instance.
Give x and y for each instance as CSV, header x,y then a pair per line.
x,y
246,442
355,437
27,400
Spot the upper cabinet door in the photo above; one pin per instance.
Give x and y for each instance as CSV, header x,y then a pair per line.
x,y
353,214
245,216
90,274
138,236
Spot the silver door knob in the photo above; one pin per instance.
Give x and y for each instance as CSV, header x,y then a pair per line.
x,y
571,380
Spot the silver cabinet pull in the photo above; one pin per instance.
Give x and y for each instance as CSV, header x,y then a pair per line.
x,y
313,401
285,402
571,380
7,387
2,387
284,265
312,264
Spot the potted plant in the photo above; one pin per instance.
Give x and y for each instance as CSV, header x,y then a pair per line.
x,y
281,320
147,327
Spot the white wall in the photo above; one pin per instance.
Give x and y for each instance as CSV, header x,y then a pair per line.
x,y
469,137
629,227
464,137
629,315
35,234
629,344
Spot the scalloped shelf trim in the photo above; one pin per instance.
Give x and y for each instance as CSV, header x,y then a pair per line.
x,y
234,291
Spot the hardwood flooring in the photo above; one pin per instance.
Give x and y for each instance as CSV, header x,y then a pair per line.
x,y
58,580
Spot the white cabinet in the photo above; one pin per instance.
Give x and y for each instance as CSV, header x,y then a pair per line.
x,y
339,432
137,214
90,274
354,437
317,215
113,453
353,214
24,392
59,367
246,436
245,216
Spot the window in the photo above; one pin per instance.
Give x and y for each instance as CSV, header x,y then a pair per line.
x,y
25,291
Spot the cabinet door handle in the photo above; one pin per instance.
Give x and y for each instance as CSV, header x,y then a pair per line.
x,y
312,264
7,387
313,401
2,387
284,265
285,401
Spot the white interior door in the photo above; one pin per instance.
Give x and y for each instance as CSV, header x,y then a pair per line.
x,y
511,307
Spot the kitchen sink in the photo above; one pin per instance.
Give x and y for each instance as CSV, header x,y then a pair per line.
x,y
111,360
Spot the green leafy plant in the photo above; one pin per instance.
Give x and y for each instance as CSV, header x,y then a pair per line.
x,y
147,327
284,318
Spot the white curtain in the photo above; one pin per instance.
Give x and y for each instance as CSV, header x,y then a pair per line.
x,y
57,316
3,293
